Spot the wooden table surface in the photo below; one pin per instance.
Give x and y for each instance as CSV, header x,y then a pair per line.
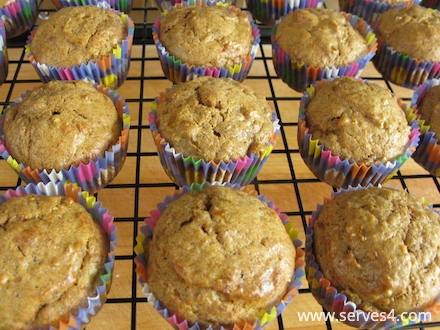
x,y
142,183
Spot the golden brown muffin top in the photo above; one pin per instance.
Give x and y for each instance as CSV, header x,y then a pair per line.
x,y
358,120
78,34
429,109
320,37
61,123
207,35
219,256
380,247
412,30
216,119
53,253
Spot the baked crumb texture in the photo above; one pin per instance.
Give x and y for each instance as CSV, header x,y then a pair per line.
x,y
87,126
213,129
244,264
354,132
201,40
55,259
379,247
86,42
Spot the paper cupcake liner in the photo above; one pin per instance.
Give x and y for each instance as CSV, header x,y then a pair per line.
x,y
269,12
184,170
339,172
90,176
120,5
19,17
166,5
110,71
299,76
370,9
427,153
146,232
178,71
402,69
4,62
337,303
82,315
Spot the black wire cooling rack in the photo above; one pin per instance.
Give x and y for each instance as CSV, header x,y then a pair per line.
x,y
142,183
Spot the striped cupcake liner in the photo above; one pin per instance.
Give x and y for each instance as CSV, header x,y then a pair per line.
x,y
110,71
90,176
184,170
370,9
299,76
341,173
337,303
166,5
119,5
427,153
4,61
19,16
402,69
269,12
146,233
82,315
178,71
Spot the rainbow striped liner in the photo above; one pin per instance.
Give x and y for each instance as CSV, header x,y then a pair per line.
x,y
427,153
299,76
178,71
341,173
19,16
82,315
166,5
4,62
146,233
91,176
110,71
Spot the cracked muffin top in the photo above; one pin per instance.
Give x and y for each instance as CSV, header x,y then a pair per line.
x,y
358,120
53,254
59,124
320,37
411,30
219,256
78,34
207,35
381,248
214,119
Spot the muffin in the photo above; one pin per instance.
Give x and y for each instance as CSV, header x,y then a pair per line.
x,y
320,43
18,16
218,284
408,45
56,257
86,42
354,132
374,252
425,105
200,40
4,61
86,125
270,12
119,5
213,129
370,9
166,5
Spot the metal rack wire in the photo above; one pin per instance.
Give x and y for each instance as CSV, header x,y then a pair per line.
x,y
143,184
